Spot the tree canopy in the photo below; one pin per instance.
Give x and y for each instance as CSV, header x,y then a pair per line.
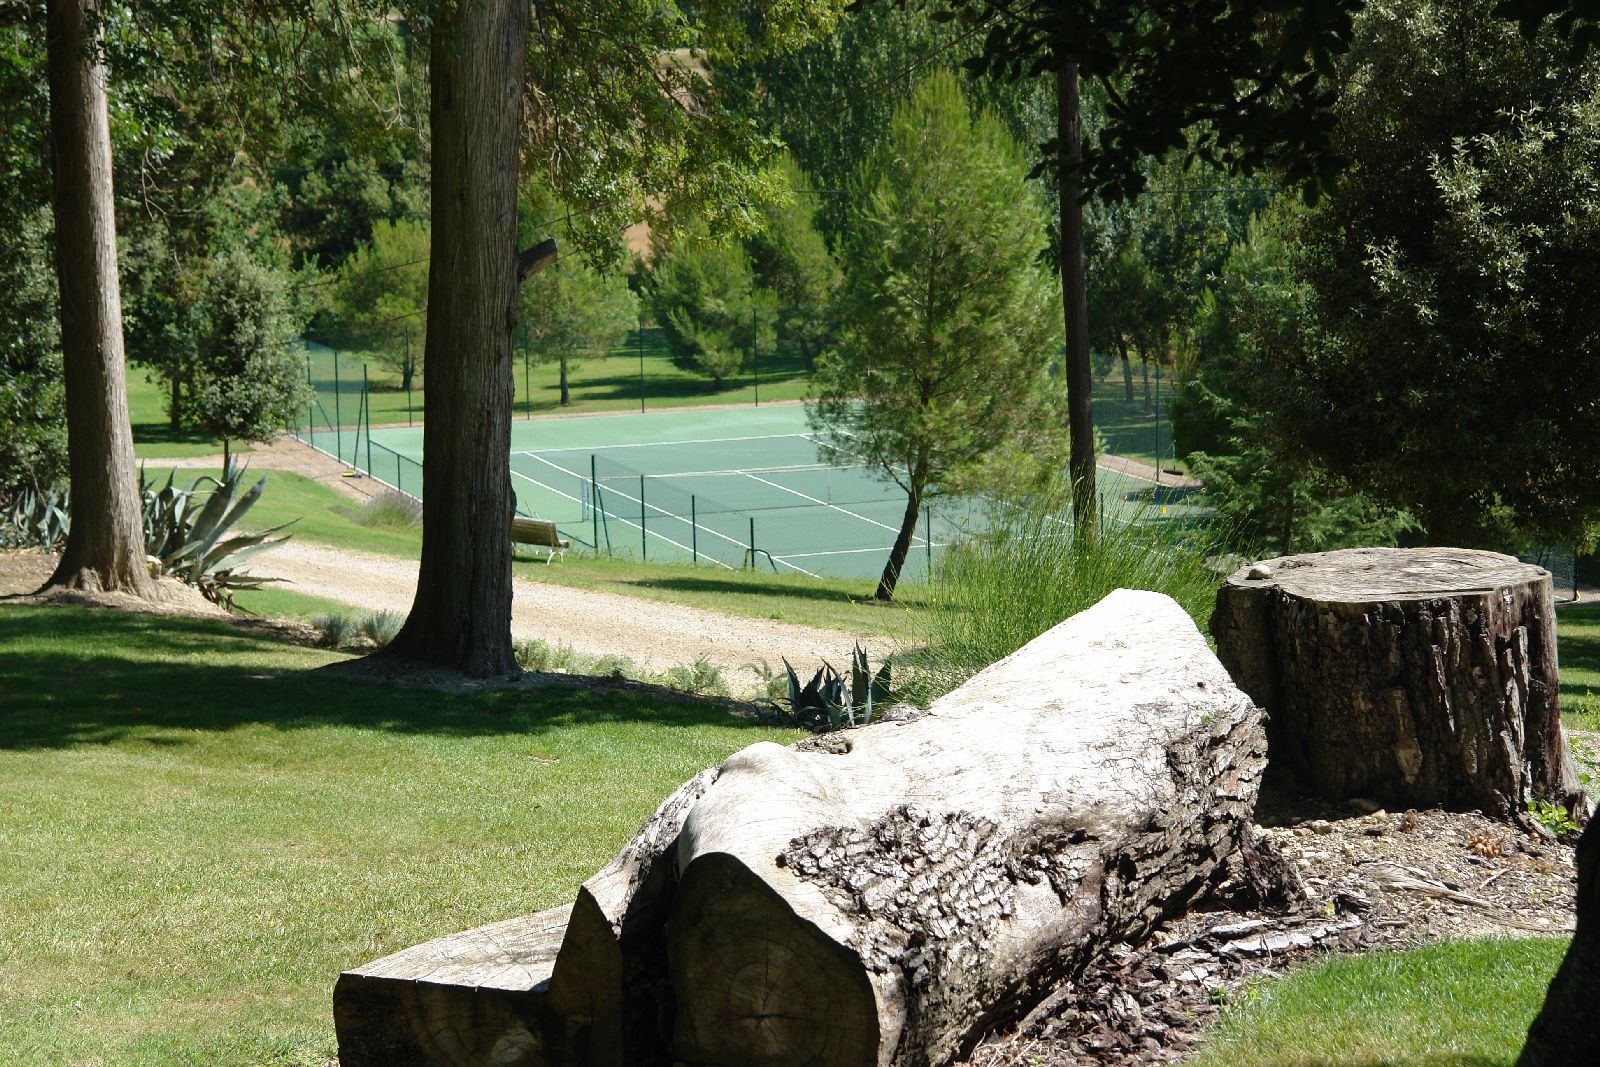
x,y
950,318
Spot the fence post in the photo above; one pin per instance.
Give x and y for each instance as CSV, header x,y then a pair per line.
x,y
366,402
927,535
752,552
399,479
594,502
311,418
694,532
338,420
644,547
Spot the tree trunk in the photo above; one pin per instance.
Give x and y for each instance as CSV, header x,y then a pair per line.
x,y
175,408
882,897
461,618
1567,1029
566,394
105,548
1127,368
902,541
1413,677
1075,304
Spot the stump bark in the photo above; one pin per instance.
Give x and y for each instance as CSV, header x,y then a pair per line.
x,y
1414,677
886,896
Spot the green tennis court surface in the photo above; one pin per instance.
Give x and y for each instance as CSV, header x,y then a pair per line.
x,y
727,487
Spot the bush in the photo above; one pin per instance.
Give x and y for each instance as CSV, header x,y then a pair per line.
x,y
1025,574
380,627
338,630
392,509
701,678
536,655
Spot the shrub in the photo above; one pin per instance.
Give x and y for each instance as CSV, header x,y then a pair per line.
x,y
35,519
701,678
380,627
1028,572
536,655
190,531
392,509
337,628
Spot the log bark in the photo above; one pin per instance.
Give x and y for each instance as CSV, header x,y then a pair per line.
x,y
105,547
888,895
1414,677
461,617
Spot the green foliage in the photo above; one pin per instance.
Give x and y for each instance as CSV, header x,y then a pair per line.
x,y
1453,365
1271,500
791,259
392,510
950,319
701,678
828,701
381,297
380,627
337,629
705,298
33,436
248,382
35,518
189,532
570,310
1028,572
1555,818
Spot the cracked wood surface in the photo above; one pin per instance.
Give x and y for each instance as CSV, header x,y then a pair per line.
x,y
890,898
1413,677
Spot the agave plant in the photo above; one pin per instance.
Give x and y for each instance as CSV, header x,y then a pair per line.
x,y
187,532
824,703
35,519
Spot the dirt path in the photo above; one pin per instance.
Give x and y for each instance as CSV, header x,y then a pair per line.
x,y
653,634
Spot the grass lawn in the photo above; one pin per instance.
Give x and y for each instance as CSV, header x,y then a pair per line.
x,y
326,517
1128,430
147,410
1459,1004
201,831
1578,631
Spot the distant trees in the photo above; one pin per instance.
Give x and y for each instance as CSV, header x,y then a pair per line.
x,y
1449,355
572,310
704,293
248,382
950,319
791,259
381,297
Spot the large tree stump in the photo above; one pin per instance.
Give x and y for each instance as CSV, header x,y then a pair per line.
x,y
888,895
1415,677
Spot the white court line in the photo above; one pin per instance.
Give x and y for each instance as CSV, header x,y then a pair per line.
x,y
626,522
835,507
659,444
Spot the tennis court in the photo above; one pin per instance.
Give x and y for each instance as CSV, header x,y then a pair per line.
x,y
724,487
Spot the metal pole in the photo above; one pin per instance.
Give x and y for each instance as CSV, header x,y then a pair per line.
x,y
399,479
755,353
694,532
1158,420
366,400
311,416
752,542
338,441
927,535
644,547
640,337
527,383
594,502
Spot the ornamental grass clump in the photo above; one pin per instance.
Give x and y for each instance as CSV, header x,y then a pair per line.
x,y
1029,570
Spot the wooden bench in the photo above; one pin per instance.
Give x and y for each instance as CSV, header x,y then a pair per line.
x,y
540,533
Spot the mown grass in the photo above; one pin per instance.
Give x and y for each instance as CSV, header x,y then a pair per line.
x,y
324,516
202,829
1454,1004
1130,430
1578,635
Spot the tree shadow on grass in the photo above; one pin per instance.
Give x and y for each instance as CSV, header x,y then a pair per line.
x,y
75,676
719,586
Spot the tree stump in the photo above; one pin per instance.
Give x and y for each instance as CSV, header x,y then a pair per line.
x,y
1415,677
881,897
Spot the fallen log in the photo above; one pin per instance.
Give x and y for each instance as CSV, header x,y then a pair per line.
x,y
1414,677
888,895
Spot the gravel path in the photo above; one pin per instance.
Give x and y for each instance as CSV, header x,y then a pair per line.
x,y
653,634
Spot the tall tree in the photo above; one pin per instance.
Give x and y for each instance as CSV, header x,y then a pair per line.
x,y
951,319
1232,81
461,617
105,549
573,310
382,295
792,260
705,297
